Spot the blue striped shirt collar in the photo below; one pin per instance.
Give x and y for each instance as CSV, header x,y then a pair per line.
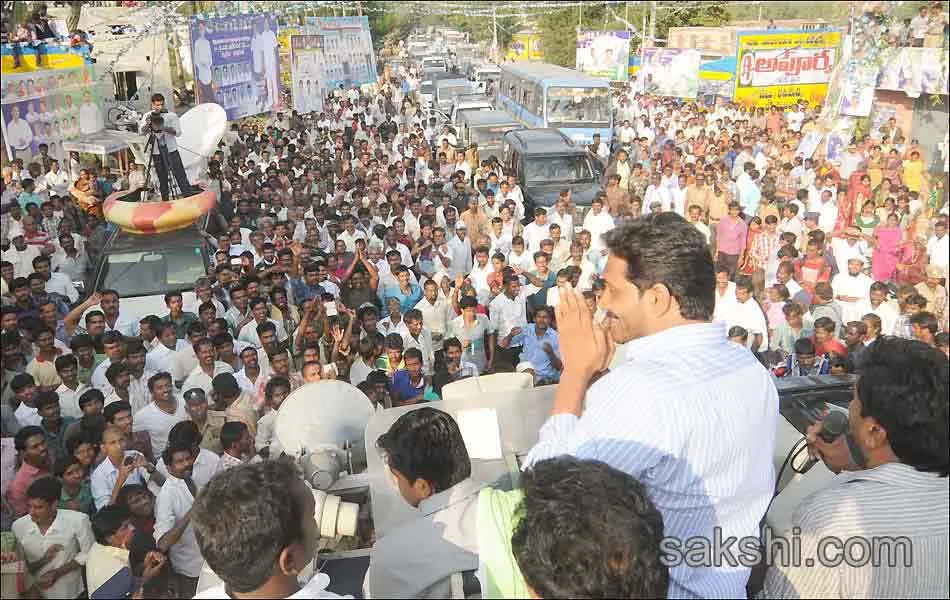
x,y
689,336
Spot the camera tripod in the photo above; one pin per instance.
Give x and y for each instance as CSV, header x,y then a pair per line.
x,y
174,192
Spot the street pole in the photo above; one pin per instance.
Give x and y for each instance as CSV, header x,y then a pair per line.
x,y
760,12
494,34
652,22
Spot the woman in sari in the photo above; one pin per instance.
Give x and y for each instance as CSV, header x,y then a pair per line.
x,y
86,194
884,191
876,167
893,167
867,221
912,261
859,191
887,238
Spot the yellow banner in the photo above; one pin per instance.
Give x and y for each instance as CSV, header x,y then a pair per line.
x,y
780,68
525,46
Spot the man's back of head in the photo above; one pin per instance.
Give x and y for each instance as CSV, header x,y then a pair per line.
x,y
426,454
587,530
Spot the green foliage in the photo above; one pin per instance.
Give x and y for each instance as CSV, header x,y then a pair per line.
x,y
675,14
385,22
559,31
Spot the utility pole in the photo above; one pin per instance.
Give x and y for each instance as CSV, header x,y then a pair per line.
x,y
653,22
359,8
494,34
760,11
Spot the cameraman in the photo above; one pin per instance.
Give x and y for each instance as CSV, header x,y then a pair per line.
x,y
164,125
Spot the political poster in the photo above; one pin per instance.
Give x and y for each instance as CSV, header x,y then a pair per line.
x,y
307,65
914,71
236,63
779,68
525,45
603,54
809,144
857,94
347,50
49,106
671,72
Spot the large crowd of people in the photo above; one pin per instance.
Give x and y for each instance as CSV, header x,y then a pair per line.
x,y
362,244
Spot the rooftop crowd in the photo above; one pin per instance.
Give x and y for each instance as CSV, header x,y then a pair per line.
x,y
363,244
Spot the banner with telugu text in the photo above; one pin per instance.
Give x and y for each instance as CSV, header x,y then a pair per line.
x,y
779,68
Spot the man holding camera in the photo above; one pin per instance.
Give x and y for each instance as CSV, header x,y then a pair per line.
x,y
164,125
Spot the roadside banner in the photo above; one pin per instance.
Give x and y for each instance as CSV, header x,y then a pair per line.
x,y
307,62
236,63
49,106
603,54
779,68
914,71
525,45
347,51
672,72
857,94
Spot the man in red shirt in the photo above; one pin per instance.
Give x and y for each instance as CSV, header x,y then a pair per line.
x,y
30,442
825,340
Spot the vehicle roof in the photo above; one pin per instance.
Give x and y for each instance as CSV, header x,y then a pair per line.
x,y
453,81
554,74
542,141
489,117
128,242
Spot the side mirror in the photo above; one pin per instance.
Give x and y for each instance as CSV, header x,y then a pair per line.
x,y
80,286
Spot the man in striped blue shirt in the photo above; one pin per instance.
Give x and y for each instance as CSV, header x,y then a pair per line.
x,y
690,415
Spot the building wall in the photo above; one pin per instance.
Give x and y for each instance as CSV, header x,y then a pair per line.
x,y
903,107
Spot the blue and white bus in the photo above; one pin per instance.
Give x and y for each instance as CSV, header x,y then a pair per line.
x,y
541,95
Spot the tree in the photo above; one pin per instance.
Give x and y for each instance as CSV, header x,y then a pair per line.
x,y
559,31
75,13
688,15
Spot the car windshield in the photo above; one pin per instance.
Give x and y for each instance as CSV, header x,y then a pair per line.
x,y
579,107
490,136
543,170
153,272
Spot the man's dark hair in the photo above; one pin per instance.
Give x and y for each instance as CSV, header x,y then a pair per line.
x,y
256,496
427,444
107,521
925,320
825,324
905,387
45,488
804,346
666,249
114,408
587,530
231,432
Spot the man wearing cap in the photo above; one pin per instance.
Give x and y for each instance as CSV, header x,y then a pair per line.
x,y
848,244
852,288
460,251
932,290
238,405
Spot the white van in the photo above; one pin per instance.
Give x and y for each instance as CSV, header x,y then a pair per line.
x,y
486,78
435,64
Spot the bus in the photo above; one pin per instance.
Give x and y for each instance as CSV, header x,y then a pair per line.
x,y
540,95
